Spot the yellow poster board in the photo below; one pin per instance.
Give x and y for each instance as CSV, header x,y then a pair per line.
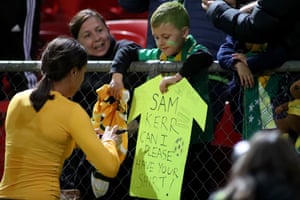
x,y
163,137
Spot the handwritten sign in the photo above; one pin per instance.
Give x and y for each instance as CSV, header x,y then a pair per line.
x,y
163,137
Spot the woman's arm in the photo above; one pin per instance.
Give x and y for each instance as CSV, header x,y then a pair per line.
x,y
102,155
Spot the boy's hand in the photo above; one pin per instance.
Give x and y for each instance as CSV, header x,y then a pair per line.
x,y
116,85
168,80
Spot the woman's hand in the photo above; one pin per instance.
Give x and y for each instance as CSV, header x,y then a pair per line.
x,y
116,85
110,134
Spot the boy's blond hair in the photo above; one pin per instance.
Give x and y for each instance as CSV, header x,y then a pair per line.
x,y
171,12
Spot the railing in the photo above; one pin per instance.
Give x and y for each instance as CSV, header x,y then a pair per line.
x,y
104,66
212,160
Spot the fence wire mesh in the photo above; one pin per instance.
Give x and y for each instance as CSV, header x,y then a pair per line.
x,y
207,165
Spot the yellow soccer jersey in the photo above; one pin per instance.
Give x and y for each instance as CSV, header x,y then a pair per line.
x,y
37,143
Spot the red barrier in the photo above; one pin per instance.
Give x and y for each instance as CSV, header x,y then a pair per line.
x,y
225,135
3,108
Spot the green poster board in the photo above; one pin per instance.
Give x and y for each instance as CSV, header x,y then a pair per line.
x,y
163,137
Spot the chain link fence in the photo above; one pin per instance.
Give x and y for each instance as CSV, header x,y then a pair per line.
x,y
208,163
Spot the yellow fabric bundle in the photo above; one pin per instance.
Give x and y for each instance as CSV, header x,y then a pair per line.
x,y
108,111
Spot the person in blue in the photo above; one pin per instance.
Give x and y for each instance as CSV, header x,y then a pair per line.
x,y
170,27
247,61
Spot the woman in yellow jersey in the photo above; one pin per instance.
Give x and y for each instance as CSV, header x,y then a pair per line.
x,y
43,126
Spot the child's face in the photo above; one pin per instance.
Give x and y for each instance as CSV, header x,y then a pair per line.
x,y
169,39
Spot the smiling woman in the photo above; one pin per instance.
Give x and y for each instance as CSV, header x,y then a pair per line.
x,y
90,29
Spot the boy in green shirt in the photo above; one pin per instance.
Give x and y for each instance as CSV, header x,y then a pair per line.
x,y
170,29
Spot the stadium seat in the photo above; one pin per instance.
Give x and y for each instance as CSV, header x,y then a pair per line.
x,y
131,29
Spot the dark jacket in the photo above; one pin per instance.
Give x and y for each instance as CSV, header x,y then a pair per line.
x,y
200,26
271,21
